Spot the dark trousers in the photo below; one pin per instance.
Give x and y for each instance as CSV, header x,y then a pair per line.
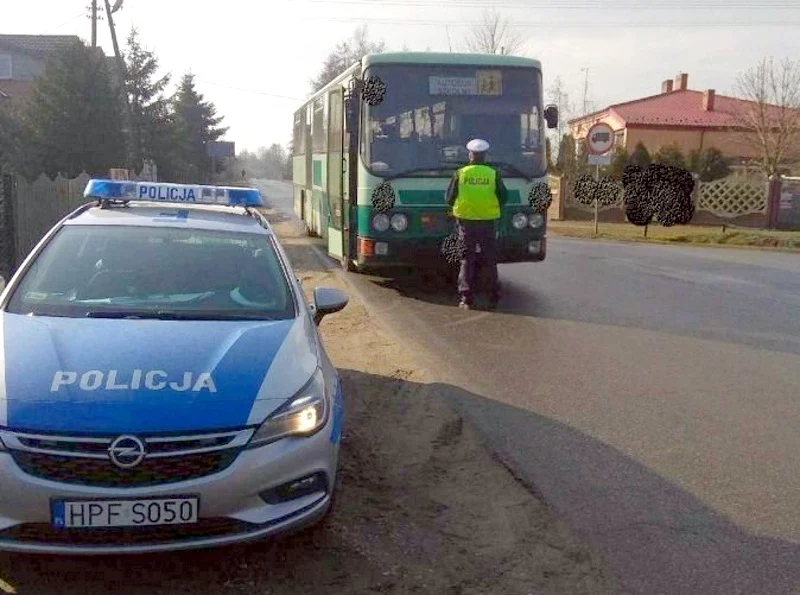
x,y
474,233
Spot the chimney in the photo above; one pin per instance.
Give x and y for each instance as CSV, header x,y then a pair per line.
x,y
708,100
666,86
682,82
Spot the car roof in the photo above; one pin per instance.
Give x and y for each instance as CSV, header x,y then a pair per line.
x,y
148,214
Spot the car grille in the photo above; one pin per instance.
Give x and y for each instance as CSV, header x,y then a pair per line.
x,y
103,473
124,536
86,461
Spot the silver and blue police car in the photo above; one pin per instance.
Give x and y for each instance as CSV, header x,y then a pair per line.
x,y
162,382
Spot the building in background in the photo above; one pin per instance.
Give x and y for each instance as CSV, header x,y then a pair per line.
x,y
691,120
23,59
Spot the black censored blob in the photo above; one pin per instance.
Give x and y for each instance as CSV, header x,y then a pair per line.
x,y
453,248
540,197
383,197
660,191
605,190
374,90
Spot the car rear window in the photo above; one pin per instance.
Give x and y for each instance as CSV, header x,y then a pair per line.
x,y
98,271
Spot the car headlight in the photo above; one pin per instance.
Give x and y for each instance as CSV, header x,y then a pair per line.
x,y
519,220
536,220
399,222
381,222
304,415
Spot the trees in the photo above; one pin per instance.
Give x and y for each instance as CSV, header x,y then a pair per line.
x,y
771,118
72,121
270,163
493,36
149,107
709,164
196,124
345,54
670,155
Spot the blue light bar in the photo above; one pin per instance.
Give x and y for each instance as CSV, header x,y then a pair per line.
x,y
179,193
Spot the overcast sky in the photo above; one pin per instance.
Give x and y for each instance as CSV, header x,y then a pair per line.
x,y
253,59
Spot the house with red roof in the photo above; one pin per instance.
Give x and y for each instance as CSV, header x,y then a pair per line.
x,y
690,119
23,59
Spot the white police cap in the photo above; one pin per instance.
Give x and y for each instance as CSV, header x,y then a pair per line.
x,y
478,146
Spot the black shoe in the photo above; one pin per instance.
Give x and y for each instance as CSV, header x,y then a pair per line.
x,y
464,304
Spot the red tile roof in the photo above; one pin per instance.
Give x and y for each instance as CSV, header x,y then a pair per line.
x,y
38,44
678,108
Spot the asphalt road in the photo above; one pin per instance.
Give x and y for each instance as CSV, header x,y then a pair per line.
x,y
650,394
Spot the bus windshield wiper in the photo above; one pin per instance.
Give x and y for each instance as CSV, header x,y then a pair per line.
x,y
416,170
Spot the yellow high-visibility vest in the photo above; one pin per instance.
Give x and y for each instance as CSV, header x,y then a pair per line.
x,y
477,196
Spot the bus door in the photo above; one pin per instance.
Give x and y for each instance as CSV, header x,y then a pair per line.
x,y
349,168
335,172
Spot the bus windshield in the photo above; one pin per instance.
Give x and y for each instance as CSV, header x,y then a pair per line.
x,y
429,113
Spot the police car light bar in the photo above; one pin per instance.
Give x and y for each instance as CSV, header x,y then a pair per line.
x,y
114,190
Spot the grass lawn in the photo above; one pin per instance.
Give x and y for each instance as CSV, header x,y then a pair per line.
x,y
682,234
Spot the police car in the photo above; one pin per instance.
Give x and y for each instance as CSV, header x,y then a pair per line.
x,y
162,382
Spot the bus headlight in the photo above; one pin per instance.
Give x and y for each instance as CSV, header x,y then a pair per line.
x,y
519,220
536,220
381,222
304,415
399,222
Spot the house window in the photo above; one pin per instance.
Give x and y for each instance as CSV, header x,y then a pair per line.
x,y
5,67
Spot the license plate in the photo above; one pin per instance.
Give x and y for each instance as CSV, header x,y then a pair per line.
x,y
124,513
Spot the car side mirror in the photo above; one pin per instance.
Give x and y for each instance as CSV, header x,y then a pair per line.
x,y
328,301
551,116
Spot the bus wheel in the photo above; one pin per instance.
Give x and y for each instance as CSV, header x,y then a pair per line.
x,y
347,264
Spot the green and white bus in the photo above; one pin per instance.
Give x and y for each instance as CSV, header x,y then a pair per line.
x,y
374,151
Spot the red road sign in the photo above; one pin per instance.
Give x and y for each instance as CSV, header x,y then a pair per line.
x,y
600,138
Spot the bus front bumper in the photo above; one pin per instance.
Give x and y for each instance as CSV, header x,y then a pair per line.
x,y
395,252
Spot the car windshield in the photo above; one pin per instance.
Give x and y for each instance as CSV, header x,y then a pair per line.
x,y
155,272
429,113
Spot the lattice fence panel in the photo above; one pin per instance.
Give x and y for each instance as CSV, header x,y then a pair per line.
x,y
733,197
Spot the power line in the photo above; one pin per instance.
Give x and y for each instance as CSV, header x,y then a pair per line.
x,y
576,4
225,86
543,25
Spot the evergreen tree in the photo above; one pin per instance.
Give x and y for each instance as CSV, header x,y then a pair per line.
x,y
149,107
670,155
640,156
73,119
197,124
709,164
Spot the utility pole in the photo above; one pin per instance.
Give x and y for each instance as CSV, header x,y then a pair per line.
x,y
585,91
94,23
133,137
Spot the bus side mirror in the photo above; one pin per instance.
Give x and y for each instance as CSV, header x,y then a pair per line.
x,y
551,116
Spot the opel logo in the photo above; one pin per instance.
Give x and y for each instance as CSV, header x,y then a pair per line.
x,y
126,452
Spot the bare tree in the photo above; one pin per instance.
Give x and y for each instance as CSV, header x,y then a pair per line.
x,y
345,54
557,95
771,116
493,36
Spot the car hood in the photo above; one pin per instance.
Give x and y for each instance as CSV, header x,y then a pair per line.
x,y
106,376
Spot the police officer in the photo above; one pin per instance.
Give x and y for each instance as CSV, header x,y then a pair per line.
x,y
477,195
